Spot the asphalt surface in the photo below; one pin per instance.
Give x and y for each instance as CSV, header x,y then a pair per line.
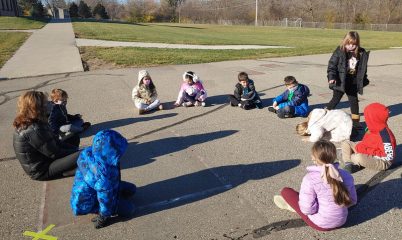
x,y
202,173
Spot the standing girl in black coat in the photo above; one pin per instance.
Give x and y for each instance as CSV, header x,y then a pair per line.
x,y
347,73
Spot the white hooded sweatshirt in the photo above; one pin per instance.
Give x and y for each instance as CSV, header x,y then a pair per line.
x,y
335,123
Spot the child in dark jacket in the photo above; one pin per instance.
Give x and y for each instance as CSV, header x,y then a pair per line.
x,y
245,95
293,102
377,149
97,181
63,124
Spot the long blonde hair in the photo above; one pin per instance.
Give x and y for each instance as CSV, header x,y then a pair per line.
x,y
31,107
325,152
351,37
301,128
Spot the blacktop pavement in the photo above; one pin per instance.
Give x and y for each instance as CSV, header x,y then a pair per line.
x,y
202,173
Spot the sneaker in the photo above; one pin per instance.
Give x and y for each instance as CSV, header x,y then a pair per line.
x,y
239,104
85,126
271,109
203,104
141,111
282,204
187,104
349,167
160,107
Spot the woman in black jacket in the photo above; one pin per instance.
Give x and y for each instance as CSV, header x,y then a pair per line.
x,y
347,73
41,154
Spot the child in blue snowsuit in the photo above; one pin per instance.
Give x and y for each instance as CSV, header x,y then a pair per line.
x,y
293,102
97,180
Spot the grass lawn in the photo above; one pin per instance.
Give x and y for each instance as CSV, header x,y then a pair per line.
x,y
9,43
305,41
20,23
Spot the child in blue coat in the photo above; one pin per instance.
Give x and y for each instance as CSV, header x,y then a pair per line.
x,y
97,180
293,102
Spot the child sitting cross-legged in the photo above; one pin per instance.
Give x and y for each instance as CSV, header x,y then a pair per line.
x,y
144,94
64,125
245,95
192,92
293,102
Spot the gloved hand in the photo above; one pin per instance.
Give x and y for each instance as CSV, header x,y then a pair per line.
x,y
100,221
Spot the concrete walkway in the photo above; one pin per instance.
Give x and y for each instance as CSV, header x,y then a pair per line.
x,y
103,43
49,50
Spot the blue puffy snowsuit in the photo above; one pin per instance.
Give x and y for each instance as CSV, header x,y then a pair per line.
x,y
97,179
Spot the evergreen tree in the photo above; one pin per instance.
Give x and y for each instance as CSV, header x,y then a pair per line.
x,y
100,12
37,10
73,9
84,10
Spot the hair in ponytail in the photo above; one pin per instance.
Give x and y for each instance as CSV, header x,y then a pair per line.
x,y
325,152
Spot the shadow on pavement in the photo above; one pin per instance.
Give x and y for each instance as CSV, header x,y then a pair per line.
x,y
395,109
185,189
378,199
122,122
138,154
341,105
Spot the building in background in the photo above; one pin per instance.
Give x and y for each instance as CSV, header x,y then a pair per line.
x,y
9,8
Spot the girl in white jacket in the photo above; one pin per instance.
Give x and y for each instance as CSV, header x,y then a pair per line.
x,y
336,125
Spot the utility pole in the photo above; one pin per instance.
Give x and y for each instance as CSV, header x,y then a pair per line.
x,y
256,12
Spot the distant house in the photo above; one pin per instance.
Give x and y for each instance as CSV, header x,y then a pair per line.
x,y
9,8
59,13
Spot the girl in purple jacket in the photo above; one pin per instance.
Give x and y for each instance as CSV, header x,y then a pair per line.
x,y
326,191
192,92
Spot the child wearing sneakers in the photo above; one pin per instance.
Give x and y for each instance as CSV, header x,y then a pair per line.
x,y
144,94
192,92
377,149
333,125
245,95
64,125
293,102
326,192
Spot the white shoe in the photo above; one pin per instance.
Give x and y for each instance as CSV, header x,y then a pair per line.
x,y
203,104
282,204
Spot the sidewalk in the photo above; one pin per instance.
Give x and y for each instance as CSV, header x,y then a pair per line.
x,y
49,50
81,42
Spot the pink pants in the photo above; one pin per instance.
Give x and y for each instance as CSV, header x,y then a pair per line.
x,y
292,198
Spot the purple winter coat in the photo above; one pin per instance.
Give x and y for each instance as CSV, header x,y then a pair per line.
x,y
316,199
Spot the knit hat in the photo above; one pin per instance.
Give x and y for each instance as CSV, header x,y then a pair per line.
x,y
142,74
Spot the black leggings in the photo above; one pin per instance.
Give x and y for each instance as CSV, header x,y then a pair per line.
x,y
352,97
59,166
